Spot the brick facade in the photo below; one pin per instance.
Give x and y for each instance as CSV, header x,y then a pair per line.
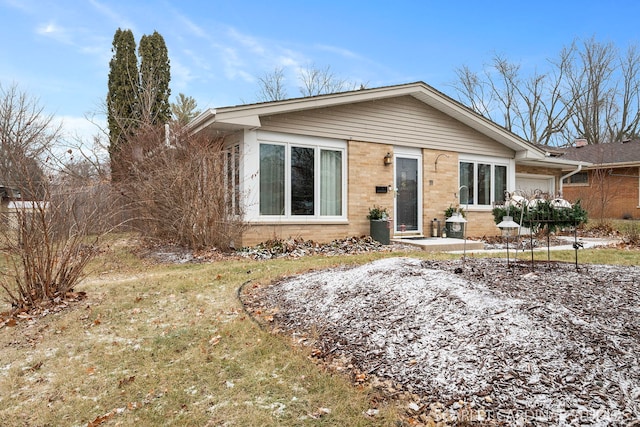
x,y
365,171
609,193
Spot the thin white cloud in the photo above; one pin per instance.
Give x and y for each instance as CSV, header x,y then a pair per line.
x,y
112,15
234,66
192,26
197,59
55,32
180,76
340,51
20,5
49,28
248,41
291,59
80,131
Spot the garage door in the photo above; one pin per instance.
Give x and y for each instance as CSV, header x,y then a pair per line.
x,y
532,184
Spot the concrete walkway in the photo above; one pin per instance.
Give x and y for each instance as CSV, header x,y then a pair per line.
x,y
441,244
446,244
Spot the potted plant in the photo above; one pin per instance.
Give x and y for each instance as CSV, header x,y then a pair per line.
x,y
377,213
448,213
379,224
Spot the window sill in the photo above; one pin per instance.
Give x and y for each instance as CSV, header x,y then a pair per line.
x,y
298,221
475,208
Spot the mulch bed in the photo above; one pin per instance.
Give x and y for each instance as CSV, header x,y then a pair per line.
x,y
474,341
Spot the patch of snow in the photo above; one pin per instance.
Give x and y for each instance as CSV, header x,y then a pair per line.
x,y
555,348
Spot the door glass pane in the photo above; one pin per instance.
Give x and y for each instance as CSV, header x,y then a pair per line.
x,y
407,197
501,184
484,184
330,182
271,179
466,179
302,180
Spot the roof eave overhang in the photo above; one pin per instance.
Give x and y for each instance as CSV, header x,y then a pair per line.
x,y
633,164
552,163
212,120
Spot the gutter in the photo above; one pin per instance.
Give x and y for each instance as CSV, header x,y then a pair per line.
x,y
562,178
195,125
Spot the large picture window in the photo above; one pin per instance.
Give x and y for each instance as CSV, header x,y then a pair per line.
x,y
301,181
485,183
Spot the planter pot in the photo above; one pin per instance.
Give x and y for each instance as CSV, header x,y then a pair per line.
x,y
380,229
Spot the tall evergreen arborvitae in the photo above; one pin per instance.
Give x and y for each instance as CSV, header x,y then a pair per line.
x,y
154,79
122,98
136,98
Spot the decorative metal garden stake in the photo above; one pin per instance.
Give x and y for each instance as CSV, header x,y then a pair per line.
x,y
507,225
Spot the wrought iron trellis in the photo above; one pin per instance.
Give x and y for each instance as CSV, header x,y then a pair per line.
x,y
539,214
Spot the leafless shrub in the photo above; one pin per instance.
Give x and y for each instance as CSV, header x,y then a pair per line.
x,y
46,243
183,189
631,233
44,226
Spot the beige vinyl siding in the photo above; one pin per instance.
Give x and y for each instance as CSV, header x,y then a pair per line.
x,y
402,121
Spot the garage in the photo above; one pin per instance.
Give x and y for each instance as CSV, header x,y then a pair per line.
x,y
529,185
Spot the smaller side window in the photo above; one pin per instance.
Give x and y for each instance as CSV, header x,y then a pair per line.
x,y
482,183
577,178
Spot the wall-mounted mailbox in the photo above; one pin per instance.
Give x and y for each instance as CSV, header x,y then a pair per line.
x,y
381,188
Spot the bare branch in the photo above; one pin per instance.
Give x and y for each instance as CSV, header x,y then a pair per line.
x,y
272,86
321,81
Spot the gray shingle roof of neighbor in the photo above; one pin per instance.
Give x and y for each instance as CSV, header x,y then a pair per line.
x,y
610,153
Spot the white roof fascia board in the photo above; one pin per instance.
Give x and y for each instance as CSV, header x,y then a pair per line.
x,y
234,122
200,122
252,121
554,163
612,165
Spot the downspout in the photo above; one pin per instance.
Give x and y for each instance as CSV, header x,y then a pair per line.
x,y
562,178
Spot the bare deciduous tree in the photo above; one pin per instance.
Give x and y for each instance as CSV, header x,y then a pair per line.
x,y
588,91
321,81
628,125
472,91
26,135
531,106
593,95
272,86
313,81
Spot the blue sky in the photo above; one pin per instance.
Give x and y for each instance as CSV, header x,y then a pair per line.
x,y
59,50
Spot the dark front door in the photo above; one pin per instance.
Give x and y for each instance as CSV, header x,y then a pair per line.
x,y
407,183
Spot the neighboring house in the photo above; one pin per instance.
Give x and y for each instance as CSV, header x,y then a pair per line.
x,y
8,197
609,186
8,193
312,167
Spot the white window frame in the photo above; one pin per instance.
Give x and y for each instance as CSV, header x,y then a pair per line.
x,y
493,161
567,181
232,164
318,144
